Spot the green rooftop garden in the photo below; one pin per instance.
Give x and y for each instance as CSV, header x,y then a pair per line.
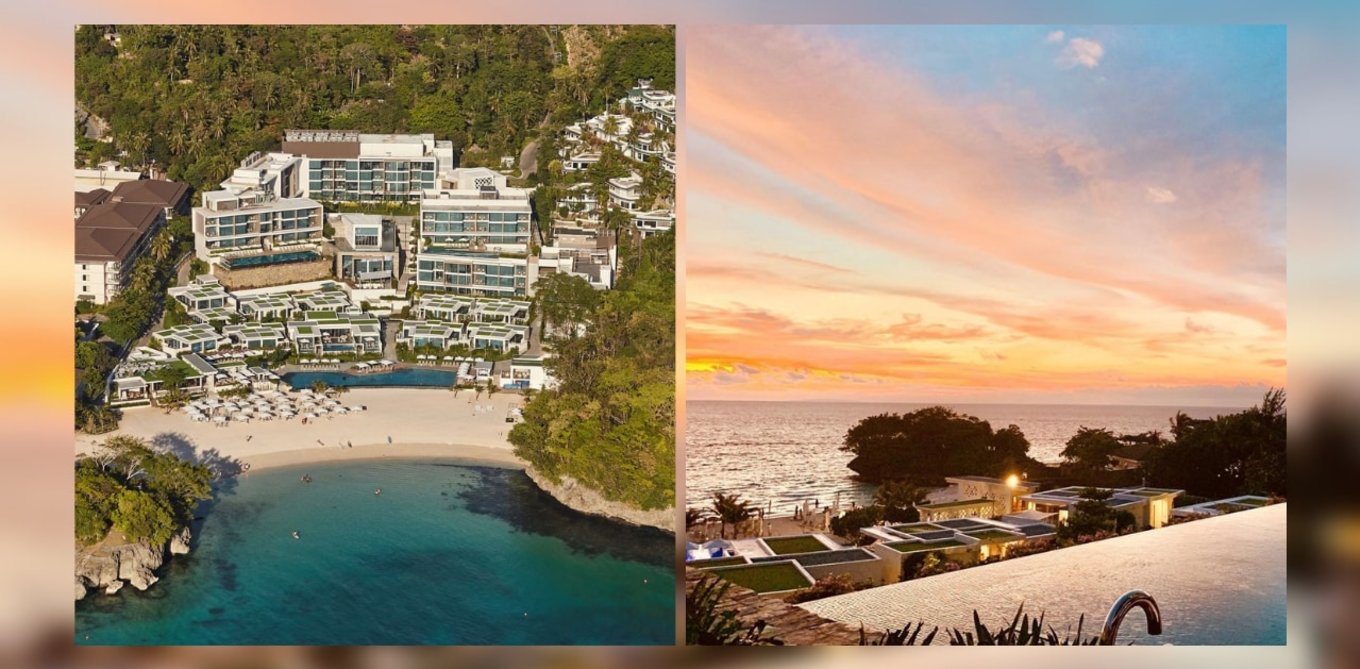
x,y
921,547
771,577
717,562
916,527
992,535
1253,502
789,545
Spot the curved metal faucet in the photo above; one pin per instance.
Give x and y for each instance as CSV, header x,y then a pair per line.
x,y
1127,602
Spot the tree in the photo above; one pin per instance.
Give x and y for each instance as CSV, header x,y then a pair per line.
x,y
564,299
141,516
694,517
1093,517
731,510
1091,448
144,493
925,445
848,524
899,500
161,245
1228,455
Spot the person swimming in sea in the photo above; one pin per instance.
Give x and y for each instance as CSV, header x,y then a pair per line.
x,y
377,491
306,478
297,535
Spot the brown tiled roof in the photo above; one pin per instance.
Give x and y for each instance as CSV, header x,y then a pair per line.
x,y
158,192
91,198
110,230
109,214
105,244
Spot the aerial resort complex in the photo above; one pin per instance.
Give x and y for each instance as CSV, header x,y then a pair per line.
x,y
356,328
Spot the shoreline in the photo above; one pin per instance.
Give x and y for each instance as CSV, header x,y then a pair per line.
x,y
477,455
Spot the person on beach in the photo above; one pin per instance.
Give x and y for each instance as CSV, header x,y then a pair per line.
x,y
249,437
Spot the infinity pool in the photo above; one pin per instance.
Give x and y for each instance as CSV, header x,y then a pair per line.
x,y
1218,581
270,259
405,377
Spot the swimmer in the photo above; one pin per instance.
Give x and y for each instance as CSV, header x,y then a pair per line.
x,y
296,534
377,491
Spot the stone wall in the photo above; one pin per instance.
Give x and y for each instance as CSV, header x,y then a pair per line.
x,y
274,275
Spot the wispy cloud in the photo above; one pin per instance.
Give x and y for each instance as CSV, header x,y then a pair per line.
x,y
1081,51
1055,37
945,241
1157,195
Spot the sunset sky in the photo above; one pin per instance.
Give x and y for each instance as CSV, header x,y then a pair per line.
x,y
1090,214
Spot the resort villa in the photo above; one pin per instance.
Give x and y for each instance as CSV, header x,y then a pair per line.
x,y
257,336
499,338
437,335
189,338
652,222
205,300
443,307
1150,507
321,332
978,496
266,306
660,104
365,249
110,238
527,372
625,192
777,565
138,381
348,166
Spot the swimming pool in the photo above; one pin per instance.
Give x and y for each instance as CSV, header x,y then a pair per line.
x,y
1218,581
269,259
406,377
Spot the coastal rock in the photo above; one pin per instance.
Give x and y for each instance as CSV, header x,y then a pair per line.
x,y
179,543
578,497
110,565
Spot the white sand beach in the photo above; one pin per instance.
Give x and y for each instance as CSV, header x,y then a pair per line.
x,y
398,423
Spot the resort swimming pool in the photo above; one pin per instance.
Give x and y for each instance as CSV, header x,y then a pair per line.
x,y
407,377
269,259
1218,581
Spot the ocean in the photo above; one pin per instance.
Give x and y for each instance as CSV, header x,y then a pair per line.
x,y
778,454
447,554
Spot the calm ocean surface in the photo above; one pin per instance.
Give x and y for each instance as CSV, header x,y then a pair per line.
x,y
782,453
448,554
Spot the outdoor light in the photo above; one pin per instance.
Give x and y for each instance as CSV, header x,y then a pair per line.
x,y
1012,480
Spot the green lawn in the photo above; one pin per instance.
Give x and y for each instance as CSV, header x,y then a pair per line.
x,y
772,577
919,547
717,562
1253,502
799,544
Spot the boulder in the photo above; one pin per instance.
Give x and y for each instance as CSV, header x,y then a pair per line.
x,y
113,588
179,543
572,494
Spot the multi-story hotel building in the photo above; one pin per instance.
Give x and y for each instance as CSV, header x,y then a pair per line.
x,y
474,209
348,166
110,239
477,273
235,223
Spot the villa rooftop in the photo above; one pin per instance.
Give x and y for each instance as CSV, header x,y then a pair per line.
x,y
934,506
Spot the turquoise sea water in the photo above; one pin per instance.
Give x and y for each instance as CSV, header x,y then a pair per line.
x,y
406,376
447,554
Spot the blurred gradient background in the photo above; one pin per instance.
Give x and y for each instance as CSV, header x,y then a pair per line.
x,y
1324,314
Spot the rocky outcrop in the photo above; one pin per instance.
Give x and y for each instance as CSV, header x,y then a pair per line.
x,y
109,565
578,497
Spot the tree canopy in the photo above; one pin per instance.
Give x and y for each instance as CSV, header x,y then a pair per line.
x,y
610,423
143,493
1228,455
195,99
925,445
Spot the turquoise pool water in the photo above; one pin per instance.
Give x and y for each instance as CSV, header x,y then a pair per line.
x,y
406,376
448,554
270,259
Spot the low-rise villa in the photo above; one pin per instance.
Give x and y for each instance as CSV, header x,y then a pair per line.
x,y
527,372
763,564
1150,507
257,336
266,306
189,338
1221,506
205,299
431,334
325,300
443,307
137,383
496,337
328,332
501,310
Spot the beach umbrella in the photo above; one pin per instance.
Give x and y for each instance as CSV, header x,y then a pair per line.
x,y
219,419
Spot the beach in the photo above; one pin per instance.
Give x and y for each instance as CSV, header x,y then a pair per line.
x,y
398,423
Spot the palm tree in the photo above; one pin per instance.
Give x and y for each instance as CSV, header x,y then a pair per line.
x,y
730,509
161,245
694,517
319,386
899,499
